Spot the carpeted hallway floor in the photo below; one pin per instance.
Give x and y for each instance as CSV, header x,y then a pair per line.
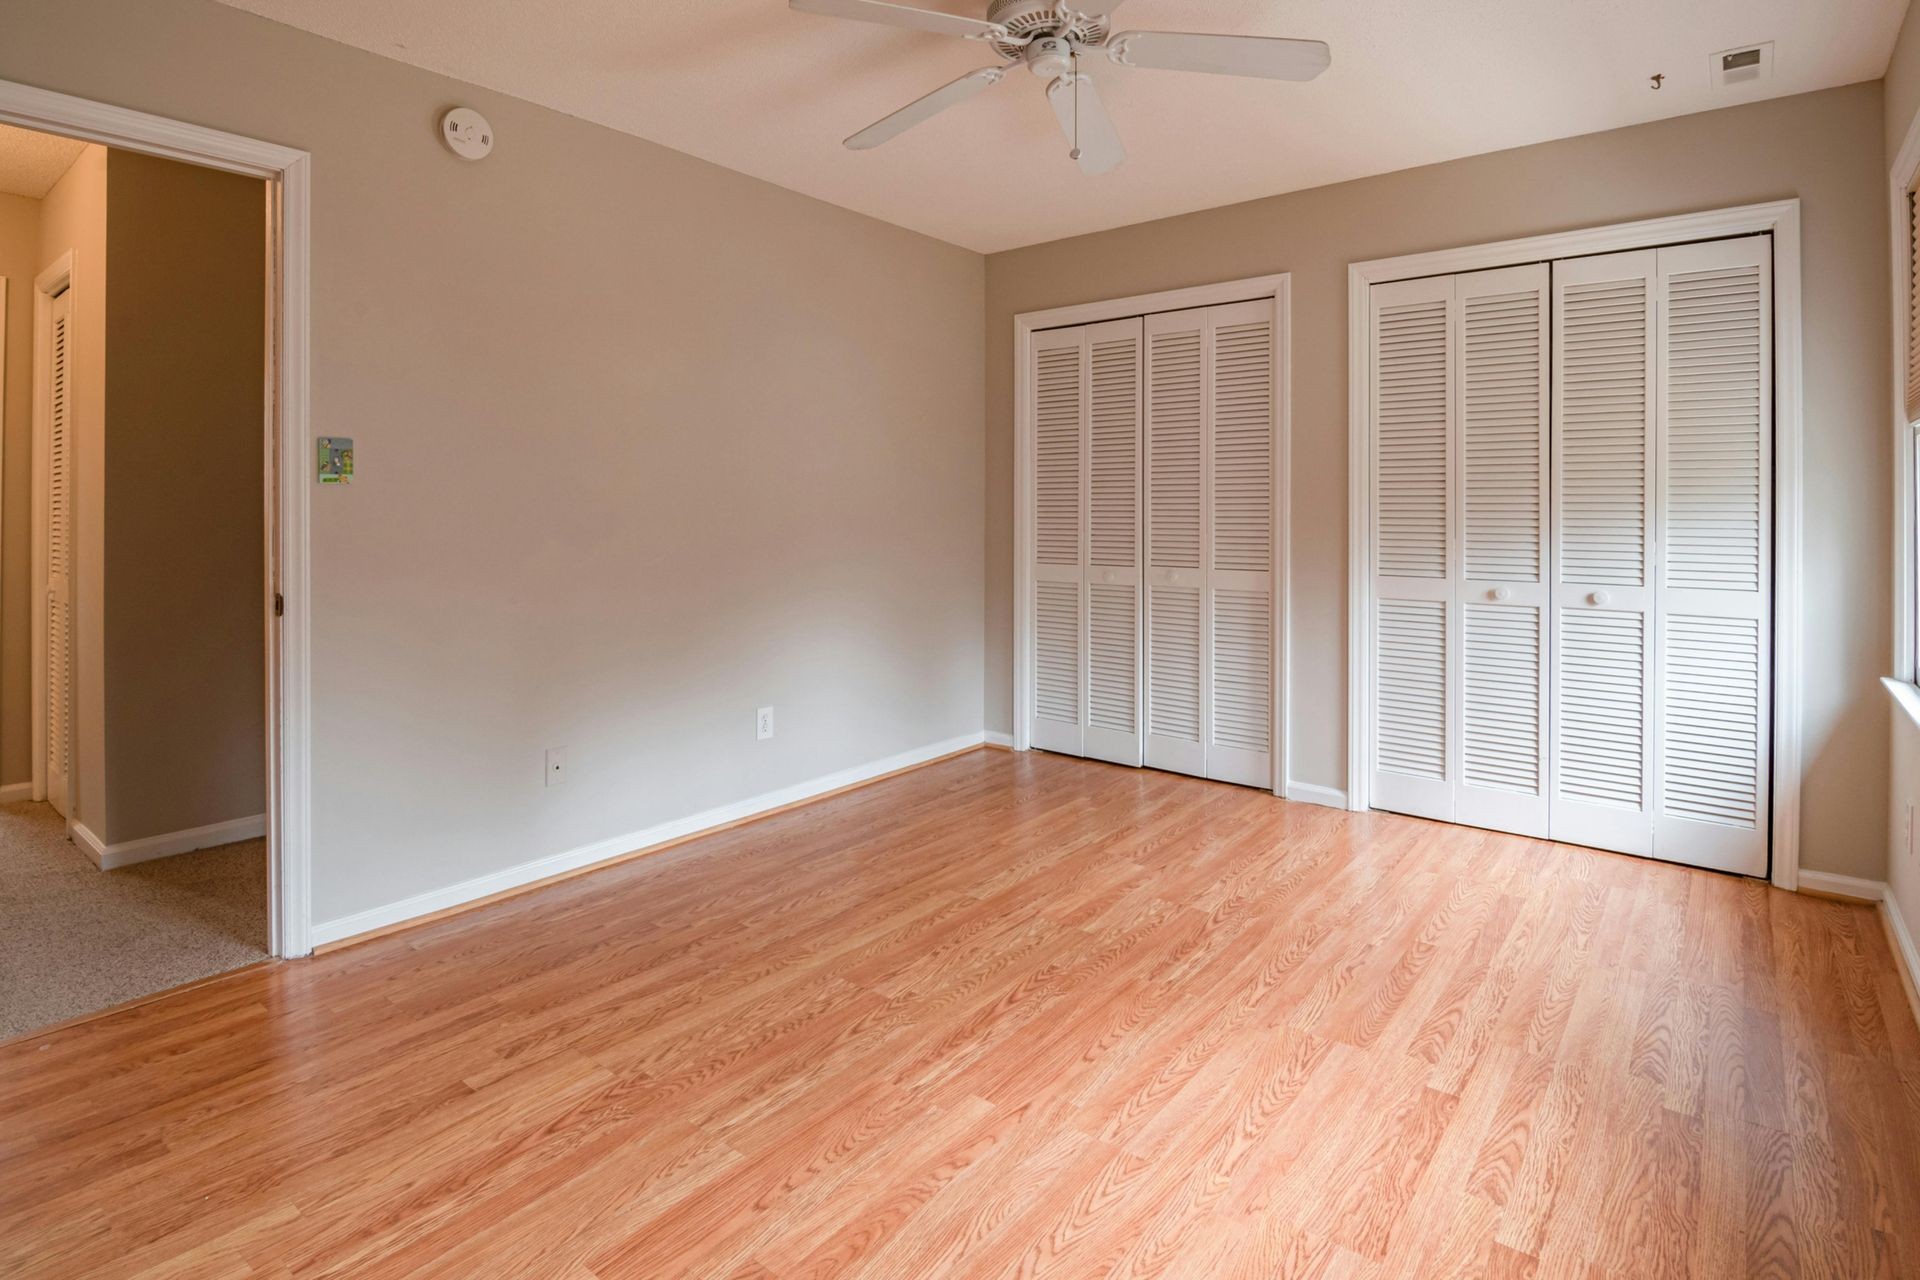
x,y
75,939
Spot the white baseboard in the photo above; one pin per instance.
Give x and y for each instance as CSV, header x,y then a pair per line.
x,y
1904,954
997,739
167,844
90,845
1310,793
14,792
622,846
1838,886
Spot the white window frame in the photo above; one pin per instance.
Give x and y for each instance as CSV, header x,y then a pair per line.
x,y
287,174
1781,220
1901,179
1025,325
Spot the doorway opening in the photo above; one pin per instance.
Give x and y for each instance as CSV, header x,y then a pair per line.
x,y
144,548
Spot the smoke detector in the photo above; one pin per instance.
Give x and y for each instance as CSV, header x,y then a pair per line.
x,y
467,133
1731,68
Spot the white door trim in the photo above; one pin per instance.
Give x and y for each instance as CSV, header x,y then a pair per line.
x,y
1781,219
1025,325
287,173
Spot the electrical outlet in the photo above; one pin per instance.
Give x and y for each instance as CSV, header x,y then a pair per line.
x,y
1906,834
763,726
556,766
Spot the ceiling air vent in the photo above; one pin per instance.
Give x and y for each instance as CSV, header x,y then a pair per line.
x,y
1734,67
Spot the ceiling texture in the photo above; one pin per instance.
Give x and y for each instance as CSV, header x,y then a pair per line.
x,y
30,162
750,85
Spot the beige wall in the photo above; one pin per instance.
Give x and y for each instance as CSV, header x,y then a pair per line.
x,y
19,263
1902,83
643,444
74,219
184,548
1824,148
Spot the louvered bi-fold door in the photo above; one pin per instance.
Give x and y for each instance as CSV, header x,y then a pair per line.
x,y
1664,526
1240,484
1501,358
1713,610
1210,476
1176,492
1059,484
59,602
1113,543
1604,522
1460,555
1414,555
1086,568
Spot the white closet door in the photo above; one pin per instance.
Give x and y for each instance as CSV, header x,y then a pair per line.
x,y
1240,486
1714,607
1113,543
59,603
1210,476
1178,400
1414,550
1059,548
1086,544
1500,690
1605,526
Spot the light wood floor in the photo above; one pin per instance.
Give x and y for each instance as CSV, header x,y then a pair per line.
x,y
1014,1016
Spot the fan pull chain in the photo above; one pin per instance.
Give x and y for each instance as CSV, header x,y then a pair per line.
x,y
1075,153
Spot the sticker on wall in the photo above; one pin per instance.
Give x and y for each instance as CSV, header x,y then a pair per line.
x,y
336,460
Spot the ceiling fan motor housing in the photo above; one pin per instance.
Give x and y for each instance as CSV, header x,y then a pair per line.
x,y
1049,57
1030,19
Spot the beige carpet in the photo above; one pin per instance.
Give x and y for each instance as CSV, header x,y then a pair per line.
x,y
75,939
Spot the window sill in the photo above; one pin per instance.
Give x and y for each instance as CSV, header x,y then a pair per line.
x,y
1905,696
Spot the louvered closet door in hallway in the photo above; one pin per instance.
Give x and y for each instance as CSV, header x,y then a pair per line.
x,y
58,606
1210,477
1086,541
1459,550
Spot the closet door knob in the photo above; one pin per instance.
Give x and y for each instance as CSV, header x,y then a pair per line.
x,y
1598,597
1498,594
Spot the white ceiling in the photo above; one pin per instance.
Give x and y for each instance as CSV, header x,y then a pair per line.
x,y
755,87
30,163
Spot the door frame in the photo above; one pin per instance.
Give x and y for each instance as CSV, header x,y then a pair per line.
x,y
1781,220
59,277
285,597
1252,289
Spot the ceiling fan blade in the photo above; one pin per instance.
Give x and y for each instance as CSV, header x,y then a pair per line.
x,y
1263,56
885,130
899,15
1099,142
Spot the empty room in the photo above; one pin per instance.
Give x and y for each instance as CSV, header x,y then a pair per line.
x,y
974,638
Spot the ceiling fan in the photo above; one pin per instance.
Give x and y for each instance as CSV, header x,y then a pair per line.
x,y
1049,38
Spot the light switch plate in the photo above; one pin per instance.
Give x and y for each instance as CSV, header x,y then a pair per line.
x,y
336,460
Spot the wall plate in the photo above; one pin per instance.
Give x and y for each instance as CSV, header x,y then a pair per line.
x,y
336,460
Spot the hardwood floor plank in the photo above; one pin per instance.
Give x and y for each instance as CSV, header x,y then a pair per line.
x,y
1013,1015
